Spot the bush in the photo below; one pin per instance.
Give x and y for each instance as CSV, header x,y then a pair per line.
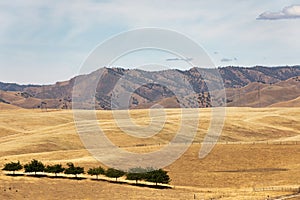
x,y
34,166
54,169
74,170
157,176
13,166
137,174
114,173
96,171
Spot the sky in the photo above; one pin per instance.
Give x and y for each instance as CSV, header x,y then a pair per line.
x,y
45,41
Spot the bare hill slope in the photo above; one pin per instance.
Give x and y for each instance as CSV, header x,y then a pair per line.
x,y
256,87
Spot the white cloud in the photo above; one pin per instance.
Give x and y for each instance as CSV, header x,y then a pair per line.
x,y
290,12
228,59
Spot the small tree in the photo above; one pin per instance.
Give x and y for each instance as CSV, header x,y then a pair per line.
x,y
12,166
136,174
158,176
74,170
96,171
114,173
34,166
54,169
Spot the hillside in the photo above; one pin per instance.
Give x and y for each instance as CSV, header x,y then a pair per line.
x,y
5,106
283,93
255,87
258,148
291,103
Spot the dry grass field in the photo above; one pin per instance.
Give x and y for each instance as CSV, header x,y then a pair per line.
x,y
259,148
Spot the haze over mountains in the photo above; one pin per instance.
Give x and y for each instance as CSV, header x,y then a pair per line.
x,y
255,87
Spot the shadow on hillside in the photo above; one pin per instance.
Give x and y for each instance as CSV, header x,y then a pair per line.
x,y
36,175
58,177
14,174
93,179
151,186
76,178
134,184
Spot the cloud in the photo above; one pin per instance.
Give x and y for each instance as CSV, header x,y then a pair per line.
x,y
228,59
41,28
179,59
289,12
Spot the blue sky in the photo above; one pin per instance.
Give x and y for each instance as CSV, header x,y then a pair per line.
x,y
47,41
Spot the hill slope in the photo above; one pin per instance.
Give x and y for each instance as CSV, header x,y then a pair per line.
x,y
284,93
255,87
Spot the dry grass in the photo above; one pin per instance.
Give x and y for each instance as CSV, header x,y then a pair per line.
x,y
228,172
290,103
5,106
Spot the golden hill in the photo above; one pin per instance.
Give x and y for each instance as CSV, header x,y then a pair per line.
x,y
5,106
291,103
252,158
264,95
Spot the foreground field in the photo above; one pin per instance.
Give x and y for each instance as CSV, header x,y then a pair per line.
x,y
258,149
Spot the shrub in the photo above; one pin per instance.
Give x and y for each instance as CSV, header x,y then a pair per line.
x,y
34,166
157,176
13,166
114,173
96,171
54,169
137,174
74,170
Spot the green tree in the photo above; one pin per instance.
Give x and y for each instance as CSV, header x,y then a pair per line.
x,y
54,169
158,176
114,173
12,166
74,170
96,171
137,174
34,166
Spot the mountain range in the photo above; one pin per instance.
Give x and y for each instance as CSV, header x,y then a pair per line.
x,y
254,87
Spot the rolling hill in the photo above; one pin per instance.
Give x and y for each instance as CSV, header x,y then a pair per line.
x,y
258,148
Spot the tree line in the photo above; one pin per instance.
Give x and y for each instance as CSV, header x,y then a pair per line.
x,y
148,174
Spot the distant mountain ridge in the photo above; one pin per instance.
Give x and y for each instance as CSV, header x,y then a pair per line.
x,y
15,86
237,81
242,76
